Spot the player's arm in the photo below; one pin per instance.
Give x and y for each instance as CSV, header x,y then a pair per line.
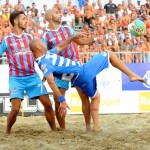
x,y
84,41
63,105
65,43
2,47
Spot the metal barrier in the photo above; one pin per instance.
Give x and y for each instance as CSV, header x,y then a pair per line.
x,y
126,57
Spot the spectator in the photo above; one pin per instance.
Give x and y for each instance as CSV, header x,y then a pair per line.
x,y
28,11
6,15
35,32
67,18
34,9
69,5
19,6
76,12
117,17
44,9
7,6
125,19
147,53
142,8
124,34
58,6
97,21
110,7
88,12
81,4
133,15
147,5
138,6
102,16
7,29
123,5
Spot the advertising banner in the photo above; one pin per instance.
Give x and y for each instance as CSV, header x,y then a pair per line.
x,y
117,93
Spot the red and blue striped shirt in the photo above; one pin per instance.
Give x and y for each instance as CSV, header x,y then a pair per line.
x,y
54,37
19,56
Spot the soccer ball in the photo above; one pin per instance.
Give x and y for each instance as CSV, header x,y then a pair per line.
x,y
137,28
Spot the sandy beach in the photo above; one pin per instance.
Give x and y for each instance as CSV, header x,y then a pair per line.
x,y
119,132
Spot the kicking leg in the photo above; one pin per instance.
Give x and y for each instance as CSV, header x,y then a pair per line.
x,y
85,108
116,62
11,119
49,113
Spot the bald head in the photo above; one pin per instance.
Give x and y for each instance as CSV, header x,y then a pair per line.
x,y
38,47
49,13
33,44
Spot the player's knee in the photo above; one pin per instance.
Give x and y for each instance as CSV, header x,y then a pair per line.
x,y
48,107
15,110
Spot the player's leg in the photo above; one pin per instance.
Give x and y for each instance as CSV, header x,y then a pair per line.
x,y
11,119
116,62
48,110
60,119
63,87
95,111
85,108
36,89
16,88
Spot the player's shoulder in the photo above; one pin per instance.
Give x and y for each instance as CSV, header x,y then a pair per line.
x,y
6,37
28,34
66,26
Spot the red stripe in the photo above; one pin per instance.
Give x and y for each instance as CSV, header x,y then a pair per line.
x,y
29,63
63,38
57,40
14,58
20,56
49,40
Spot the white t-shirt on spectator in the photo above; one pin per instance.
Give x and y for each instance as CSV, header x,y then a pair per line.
x,y
43,25
68,19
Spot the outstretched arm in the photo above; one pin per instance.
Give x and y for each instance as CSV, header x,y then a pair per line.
x,y
84,41
64,44
63,105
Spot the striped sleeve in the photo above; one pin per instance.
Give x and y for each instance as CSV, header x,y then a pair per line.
x,y
3,46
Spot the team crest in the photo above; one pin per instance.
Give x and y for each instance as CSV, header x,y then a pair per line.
x,y
43,66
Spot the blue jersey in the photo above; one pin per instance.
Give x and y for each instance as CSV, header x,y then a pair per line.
x,y
82,76
62,68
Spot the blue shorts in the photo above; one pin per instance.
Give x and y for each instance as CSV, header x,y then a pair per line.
x,y
81,2
87,78
62,84
32,84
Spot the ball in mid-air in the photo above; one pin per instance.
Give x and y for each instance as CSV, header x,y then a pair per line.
x,y
137,28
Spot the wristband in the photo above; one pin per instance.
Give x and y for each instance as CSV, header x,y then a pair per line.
x,y
61,99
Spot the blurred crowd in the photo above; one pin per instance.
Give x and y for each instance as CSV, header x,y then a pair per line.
x,y
109,21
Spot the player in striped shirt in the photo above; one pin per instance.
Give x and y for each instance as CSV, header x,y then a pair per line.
x,y
54,35
22,75
53,65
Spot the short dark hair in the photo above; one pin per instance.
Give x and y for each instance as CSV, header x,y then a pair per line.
x,y
14,15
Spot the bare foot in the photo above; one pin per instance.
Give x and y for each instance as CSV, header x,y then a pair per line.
x,y
88,128
97,129
135,77
61,129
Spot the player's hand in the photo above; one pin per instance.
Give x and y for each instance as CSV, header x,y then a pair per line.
x,y
63,108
